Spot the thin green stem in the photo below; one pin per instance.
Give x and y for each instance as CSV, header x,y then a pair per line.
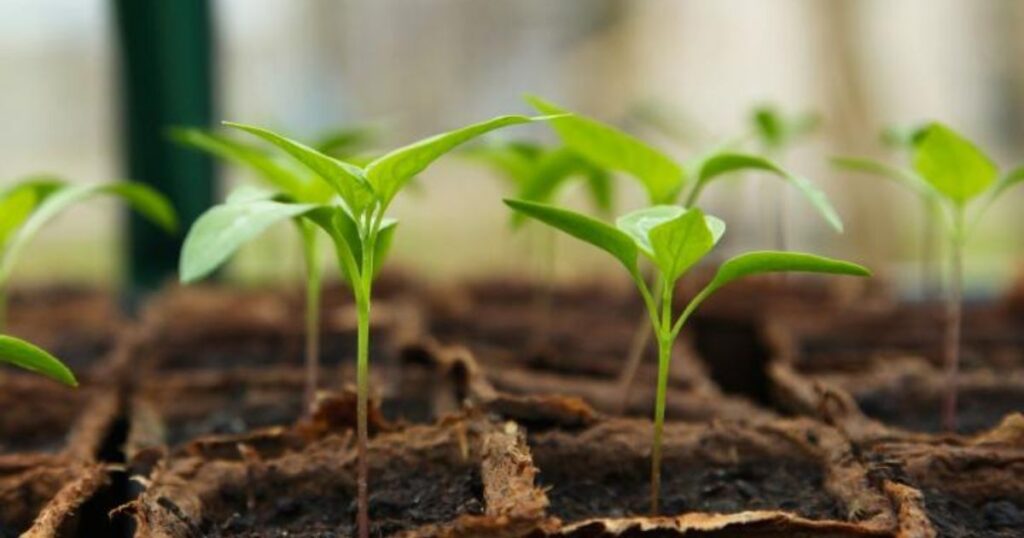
x,y
664,360
954,315
311,253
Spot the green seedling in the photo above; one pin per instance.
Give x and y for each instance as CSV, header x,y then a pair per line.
x,y
25,208
952,172
668,182
776,132
290,181
902,139
673,239
355,220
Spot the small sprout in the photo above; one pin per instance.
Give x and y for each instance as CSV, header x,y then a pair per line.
x,y
354,219
25,208
673,239
950,172
776,130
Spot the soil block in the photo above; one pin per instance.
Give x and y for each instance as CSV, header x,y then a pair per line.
x,y
460,478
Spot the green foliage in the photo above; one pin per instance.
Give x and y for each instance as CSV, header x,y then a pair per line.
x,y
25,355
777,130
952,165
664,179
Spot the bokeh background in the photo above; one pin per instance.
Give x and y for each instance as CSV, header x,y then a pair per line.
x,y
414,67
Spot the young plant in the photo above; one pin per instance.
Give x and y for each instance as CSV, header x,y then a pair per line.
x,y
25,208
356,222
953,172
667,182
290,182
673,239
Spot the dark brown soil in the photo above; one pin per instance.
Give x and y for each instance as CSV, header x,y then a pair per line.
x,y
600,472
978,408
955,517
37,413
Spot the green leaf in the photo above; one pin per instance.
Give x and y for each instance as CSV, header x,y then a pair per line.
x,y
614,150
514,161
681,242
901,176
1012,178
25,355
270,170
728,162
952,164
603,236
148,202
753,263
347,141
219,232
19,200
776,129
638,224
389,173
346,179
385,237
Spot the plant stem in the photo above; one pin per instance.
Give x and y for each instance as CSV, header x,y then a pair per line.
x,y
636,354
954,314
664,358
311,254
362,397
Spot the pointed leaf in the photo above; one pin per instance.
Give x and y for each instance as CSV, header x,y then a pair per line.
x,y
904,177
19,200
953,165
607,238
754,263
728,162
388,174
219,232
346,179
612,149
385,238
638,224
148,202
682,242
25,355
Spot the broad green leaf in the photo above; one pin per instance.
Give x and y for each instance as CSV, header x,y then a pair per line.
x,y
901,176
389,173
725,163
25,355
613,241
347,180
754,263
953,165
638,224
219,232
148,202
681,242
269,169
614,150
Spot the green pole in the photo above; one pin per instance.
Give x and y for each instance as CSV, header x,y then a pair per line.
x,y
166,80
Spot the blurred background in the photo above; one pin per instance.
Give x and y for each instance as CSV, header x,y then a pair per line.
x,y
80,76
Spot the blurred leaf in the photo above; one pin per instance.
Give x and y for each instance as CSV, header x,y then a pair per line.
x,y
614,150
607,238
347,180
219,232
776,130
725,163
952,164
681,242
1009,180
388,174
34,359
146,201
901,176
346,141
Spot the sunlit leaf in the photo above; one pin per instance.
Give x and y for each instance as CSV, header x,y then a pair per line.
x,y
724,163
682,242
614,150
347,179
389,173
219,232
597,233
146,201
25,355
754,263
953,165
638,224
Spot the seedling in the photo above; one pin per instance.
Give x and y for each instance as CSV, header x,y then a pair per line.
x,y
673,239
25,208
291,182
951,171
665,181
356,222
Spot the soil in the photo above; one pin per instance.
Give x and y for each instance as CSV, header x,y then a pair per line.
x,y
418,478
37,414
604,471
978,408
78,325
